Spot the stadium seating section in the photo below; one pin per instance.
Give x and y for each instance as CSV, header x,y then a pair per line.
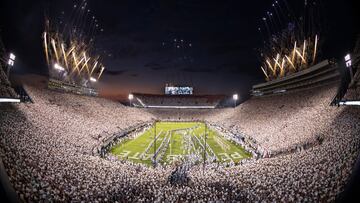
x,y
146,100
6,91
308,149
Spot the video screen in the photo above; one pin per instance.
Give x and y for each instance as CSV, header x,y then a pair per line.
x,y
178,90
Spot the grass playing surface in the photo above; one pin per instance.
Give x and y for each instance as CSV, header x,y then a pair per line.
x,y
179,140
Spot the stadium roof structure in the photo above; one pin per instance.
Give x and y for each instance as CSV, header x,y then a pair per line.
x,y
320,74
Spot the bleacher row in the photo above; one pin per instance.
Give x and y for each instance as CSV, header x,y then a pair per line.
x,y
172,101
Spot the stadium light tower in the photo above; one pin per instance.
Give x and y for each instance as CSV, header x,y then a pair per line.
x,y
348,64
130,97
235,98
10,63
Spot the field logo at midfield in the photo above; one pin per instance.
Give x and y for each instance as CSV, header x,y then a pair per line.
x,y
137,156
231,157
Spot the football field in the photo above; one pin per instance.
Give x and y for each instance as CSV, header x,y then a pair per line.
x,y
177,141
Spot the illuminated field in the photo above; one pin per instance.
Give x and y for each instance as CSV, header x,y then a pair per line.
x,y
179,141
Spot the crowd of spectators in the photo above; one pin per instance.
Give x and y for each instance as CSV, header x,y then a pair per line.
x,y
6,91
144,100
46,149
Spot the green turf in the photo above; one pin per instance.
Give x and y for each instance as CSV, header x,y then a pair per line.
x,y
186,138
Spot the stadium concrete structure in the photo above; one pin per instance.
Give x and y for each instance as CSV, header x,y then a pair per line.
x,y
54,149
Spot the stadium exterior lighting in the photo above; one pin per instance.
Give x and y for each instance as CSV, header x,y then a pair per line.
x,y
348,64
93,79
350,103
348,60
58,67
10,63
347,57
235,98
9,100
11,60
130,97
12,56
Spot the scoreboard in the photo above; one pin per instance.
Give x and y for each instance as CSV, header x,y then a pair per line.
x,y
178,90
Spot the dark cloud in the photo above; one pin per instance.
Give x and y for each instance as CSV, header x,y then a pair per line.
x,y
228,49
114,73
231,68
198,70
155,66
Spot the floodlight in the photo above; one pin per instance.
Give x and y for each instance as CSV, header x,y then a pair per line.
x,y
235,97
58,67
93,79
348,64
12,56
347,57
10,62
131,97
348,60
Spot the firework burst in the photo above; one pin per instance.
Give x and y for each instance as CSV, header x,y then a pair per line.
x,y
69,47
290,40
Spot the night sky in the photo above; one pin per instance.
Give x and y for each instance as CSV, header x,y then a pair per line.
x,y
138,41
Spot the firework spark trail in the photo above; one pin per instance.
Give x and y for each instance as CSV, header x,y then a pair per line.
x,y
267,27
271,22
283,63
281,11
55,50
278,15
64,55
304,50
294,53
79,14
290,62
72,49
289,57
315,48
46,48
265,73
101,72
92,70
262,35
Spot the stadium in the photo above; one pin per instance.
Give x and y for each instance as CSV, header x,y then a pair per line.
x,y
295,138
